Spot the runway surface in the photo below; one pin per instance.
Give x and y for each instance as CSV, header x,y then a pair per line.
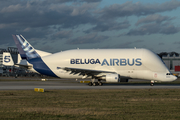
x,y
55,84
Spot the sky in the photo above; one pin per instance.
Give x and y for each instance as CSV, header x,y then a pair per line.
x,y
59,25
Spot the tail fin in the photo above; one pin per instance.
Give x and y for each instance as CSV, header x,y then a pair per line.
x,y
25,49
7,59
28,52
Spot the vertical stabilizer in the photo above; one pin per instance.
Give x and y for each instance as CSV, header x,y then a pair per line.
x,y
28,53
25,49
7,59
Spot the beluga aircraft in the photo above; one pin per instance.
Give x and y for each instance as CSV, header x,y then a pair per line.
x,y
109,65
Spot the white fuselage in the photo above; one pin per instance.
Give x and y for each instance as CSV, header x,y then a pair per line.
x,y
128,63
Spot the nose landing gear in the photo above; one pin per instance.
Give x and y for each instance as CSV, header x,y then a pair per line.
x,y
152,83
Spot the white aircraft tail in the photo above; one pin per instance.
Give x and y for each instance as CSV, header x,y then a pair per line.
x,y
7,59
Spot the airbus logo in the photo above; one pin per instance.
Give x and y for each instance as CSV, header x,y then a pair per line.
x,y
110,62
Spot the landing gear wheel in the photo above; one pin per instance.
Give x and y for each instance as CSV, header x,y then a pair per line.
x,y
100,83
152,84
94,83
90,84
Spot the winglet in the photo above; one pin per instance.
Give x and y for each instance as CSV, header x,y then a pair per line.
x,y
25,49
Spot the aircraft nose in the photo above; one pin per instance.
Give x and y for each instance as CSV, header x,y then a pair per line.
x,y
173,78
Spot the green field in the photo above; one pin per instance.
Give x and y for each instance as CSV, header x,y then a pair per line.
x,y
155,104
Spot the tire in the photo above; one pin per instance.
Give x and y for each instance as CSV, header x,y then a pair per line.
x,y
100,83
90,84
94,83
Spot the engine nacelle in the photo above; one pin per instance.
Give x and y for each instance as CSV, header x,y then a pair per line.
x,y
112,78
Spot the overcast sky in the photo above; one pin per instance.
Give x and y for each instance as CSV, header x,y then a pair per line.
x,y
58,25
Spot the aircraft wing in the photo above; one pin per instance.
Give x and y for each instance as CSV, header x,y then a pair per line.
x,y
85,72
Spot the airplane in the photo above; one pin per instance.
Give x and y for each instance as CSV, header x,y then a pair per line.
x,y
109,65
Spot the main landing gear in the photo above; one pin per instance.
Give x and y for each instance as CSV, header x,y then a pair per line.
x,y
99,83
95,83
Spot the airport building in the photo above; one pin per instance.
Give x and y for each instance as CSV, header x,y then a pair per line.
x,y
172,61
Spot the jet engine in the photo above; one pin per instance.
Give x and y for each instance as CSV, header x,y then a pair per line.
x,y
112,78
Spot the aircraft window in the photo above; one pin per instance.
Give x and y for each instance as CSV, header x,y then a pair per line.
x,y
169,74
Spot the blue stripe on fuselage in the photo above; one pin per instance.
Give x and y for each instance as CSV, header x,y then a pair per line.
x,y
41,67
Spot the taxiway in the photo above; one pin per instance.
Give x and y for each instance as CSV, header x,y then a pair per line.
x,y
55,84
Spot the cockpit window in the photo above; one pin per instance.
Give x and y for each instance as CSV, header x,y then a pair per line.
x,y
168,73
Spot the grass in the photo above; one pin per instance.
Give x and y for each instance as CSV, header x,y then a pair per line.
x,y
151,104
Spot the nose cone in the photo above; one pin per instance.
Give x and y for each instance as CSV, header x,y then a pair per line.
x,y
173,78
170,78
